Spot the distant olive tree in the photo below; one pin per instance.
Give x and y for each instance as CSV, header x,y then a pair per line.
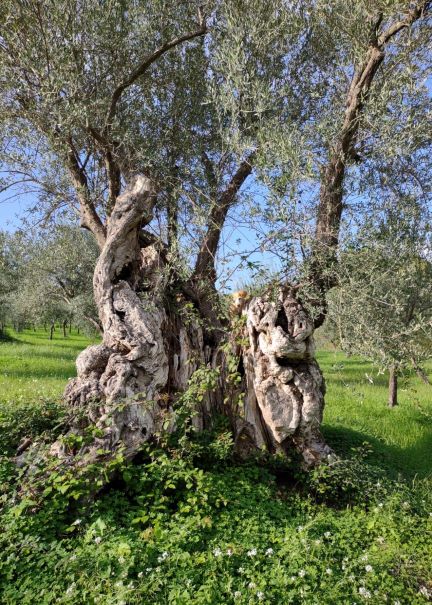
x,y
382,307
46,278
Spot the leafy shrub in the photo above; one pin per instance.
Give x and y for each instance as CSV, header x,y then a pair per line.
x,y
29,420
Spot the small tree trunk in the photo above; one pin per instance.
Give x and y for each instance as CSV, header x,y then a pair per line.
x,y
52,329
65,323
393,377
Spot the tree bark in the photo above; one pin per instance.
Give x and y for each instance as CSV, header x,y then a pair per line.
x,y
393,385
151,347
285,388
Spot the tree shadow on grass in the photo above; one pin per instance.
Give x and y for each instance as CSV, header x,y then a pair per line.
x,y
5,336
393,459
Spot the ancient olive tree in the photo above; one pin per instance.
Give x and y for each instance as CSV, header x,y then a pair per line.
x,y
147,119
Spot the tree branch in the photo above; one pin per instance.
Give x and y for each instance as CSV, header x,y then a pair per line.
x,y
112,167
141,69
88,216
342,151
205,264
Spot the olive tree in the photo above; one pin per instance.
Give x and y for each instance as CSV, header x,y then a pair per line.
x,y
382,307
147,120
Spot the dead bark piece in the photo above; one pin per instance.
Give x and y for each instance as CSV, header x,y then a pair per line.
x,y
285,378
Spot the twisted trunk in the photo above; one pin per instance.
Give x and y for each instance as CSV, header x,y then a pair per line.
x,y
151,346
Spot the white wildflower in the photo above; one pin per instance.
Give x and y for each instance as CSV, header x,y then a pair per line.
x,y
364,558
405,504
293,578
302,573
121,560
327,534
140,574
317,542
72,558
363,592
300,528
351,578
70,589
252,552
148,569
380,540
98,540
425,592
217,552
269,552
77,522
229,552
251,585
119,584
237,594
369,568
329,571
260,595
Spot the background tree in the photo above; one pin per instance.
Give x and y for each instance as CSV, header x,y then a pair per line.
x,y
382,306
47,278
146,120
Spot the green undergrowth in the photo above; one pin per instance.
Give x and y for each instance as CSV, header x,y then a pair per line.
x,y
190,524
210,531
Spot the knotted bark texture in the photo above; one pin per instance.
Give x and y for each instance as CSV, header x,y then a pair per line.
x,y
131,365
285,387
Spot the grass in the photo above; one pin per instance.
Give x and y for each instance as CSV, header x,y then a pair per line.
x,y
356,411
32,366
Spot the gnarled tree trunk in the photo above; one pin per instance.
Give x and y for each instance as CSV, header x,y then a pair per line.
x,y
149,351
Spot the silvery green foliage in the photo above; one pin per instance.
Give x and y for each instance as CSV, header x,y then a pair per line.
x,y
267,76
382,307
48,277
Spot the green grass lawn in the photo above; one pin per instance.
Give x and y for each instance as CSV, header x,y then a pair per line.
x,y
32,366
356,411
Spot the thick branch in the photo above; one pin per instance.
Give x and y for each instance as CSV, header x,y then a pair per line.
x,y
342,151
89,217
112,167
141,69
205,265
